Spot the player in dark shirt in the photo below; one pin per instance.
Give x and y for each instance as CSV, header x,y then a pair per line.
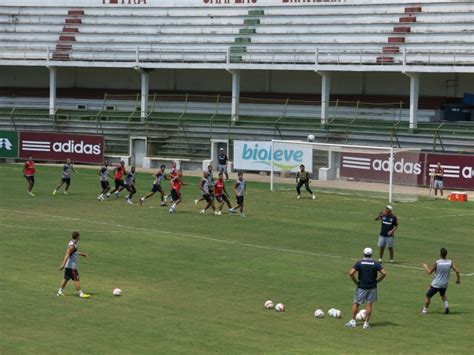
x,y
303,178
222,159
366,291
389,224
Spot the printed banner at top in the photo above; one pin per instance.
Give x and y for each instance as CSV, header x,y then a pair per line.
x,y
8,144
257,156
60,146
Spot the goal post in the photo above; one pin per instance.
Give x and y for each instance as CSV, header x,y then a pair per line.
x,y
388,172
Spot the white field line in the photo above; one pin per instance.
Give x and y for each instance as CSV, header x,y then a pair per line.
x,y
254,246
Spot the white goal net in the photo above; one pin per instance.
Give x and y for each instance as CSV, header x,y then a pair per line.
x,y
391,173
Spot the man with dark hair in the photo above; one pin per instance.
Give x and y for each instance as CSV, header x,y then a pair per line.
x,y
67,171
389,224
438,180
69,265
222,159
221,194
104,181
158,179
442,268
303,178
120,171
129,185
176,184
366,291
204,186
29,172
239,189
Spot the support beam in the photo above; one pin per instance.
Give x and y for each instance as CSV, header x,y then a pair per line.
x,y
144,94
235,94
52,90
325,96
414,95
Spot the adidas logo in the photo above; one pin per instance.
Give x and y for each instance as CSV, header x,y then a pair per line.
x,y
5,144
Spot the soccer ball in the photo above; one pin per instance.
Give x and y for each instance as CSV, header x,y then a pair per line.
x,y
337,314
331,312
319,313
311,138
269,304
280,307
117,292
361,315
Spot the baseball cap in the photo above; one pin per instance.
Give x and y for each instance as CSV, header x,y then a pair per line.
x,y
368,251
389,207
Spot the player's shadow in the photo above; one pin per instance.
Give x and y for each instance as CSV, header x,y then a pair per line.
x,y
384,324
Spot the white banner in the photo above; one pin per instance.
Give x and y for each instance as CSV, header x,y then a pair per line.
x,y
257,156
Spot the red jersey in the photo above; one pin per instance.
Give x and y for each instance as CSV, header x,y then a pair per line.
x,y
29,169
119,173
176,183
219,188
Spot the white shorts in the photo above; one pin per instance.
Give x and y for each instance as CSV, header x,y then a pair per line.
x,y
438,184
386,242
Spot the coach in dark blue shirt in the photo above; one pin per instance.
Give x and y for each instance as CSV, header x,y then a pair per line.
x,y
366,291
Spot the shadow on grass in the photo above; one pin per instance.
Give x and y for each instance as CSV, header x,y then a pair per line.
x,y
384,324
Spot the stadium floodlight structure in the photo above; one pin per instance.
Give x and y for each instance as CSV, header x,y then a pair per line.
x,y
388,172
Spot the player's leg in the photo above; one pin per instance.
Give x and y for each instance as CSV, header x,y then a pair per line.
x,y
429,294
368,312
441,189
62,286
442,293
391,252
68,183
31,184
298,188
306,185
381,243
77,284
61,182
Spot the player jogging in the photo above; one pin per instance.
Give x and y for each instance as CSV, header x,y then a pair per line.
x,y
104,181
222,159
366,291
129,185
438,180
239,189
67,171
303,178
159,176
120,171
221,194
387,232
70,266
29,171
172,173
204,186
442,268
176,184
211,184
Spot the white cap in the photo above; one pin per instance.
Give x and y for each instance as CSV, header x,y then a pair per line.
x,y
389,207
221,148
368,251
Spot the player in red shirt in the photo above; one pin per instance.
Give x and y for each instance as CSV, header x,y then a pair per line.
x,y
120,171
29,174
173,172
221,194
176,183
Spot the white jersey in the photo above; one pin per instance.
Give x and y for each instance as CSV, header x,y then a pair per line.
x,y
71,262
443,269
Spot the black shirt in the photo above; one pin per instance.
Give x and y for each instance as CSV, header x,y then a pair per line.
x,y
439,171
388,223
367,270
222,158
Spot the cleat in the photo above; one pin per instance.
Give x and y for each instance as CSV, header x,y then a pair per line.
x,y
130,202
392,261
446,311
84,295
366,326
141,201
117,194
219,213
216,213
314,197
351,324
31,194
60,294
424,311
380,261
196,202
108,194
298,197
242,215
66,193
54,192
163,204
202,211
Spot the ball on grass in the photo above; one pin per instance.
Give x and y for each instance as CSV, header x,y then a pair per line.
x,y
117,292
280,307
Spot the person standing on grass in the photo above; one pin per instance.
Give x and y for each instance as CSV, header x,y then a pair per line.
x,y
120,171
29,172
303,178
442,269
69,265
368,271
159,176
222,159
438,180
221,194
239,189
176,184
173,172
67,171
387,232
104,181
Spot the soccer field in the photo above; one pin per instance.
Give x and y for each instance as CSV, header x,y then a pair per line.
x,y
197,283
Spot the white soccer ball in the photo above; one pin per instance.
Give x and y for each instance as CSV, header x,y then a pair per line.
x,y
319,313
280,307
361,315
311,138
337,313
331,312
117,292
269,304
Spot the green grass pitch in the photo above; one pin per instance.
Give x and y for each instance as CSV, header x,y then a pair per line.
x,y
194,283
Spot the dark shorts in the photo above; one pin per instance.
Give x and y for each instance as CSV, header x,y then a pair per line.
x,y
207,197
156,188
240,200
71,274
30,178
105,184
175,195
131,188
66,180
222,198
433,291
119,183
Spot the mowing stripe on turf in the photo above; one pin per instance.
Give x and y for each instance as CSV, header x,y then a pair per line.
x,y
255,246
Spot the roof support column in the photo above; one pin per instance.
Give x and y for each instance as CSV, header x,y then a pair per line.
x,y
414,95
145,81
325,95
52,90
235,95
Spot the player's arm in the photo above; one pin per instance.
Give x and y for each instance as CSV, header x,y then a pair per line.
x,y
69,251
395,227
201,185
456,270
379,217
429,270
82,254
383,274
352,275
24,169
297,177
235,189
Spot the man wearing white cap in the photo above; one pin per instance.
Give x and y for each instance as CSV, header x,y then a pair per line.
x,y
222,159
366,291
387,231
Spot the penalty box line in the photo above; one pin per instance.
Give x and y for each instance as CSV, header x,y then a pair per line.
x,y
223,241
